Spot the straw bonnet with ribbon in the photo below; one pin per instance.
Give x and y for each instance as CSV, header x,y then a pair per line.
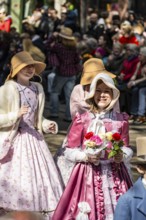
x,y
21,60
66,33
141,151
91,68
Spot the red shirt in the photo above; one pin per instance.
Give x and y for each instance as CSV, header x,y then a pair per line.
x,y
128,40
129,67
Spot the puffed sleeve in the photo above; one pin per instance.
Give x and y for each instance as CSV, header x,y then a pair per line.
x,y
9,106
73,150
77,101
76,132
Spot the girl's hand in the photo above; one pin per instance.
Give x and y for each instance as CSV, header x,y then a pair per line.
x,y
52,128
23,110
94,158
118,157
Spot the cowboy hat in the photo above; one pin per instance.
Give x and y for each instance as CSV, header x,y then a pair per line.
x,y
91,68
66,33
21,60
141,151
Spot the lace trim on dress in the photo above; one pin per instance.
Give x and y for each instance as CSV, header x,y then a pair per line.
x,y
99,197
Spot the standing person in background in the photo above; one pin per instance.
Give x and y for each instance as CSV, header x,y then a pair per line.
x,y
102,50
115,59
28,176
136,84
130,68
92,29
132,205
95,179
65,58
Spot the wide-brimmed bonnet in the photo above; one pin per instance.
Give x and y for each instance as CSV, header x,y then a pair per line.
x,y
141,151
107,80
66,33
21,60
91,68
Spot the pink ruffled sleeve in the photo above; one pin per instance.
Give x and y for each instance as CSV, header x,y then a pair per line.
x,y
76,133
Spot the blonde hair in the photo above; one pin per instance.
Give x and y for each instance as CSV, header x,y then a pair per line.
x,y
93,107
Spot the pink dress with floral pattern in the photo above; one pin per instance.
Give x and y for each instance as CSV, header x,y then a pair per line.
x,y
102,185
28,176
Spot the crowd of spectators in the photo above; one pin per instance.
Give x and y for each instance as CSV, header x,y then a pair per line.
x,y
119,42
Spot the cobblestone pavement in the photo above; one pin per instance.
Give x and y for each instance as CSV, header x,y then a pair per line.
x,y
55,141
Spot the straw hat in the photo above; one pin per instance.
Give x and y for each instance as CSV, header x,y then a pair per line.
x,y
91,68
23,59
141,151
66,33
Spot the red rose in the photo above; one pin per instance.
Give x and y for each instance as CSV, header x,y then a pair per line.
x,y
89,135
116,136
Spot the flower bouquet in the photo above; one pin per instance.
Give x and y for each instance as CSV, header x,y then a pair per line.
x,y
94,144
114,143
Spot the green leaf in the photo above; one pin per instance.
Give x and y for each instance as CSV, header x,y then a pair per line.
x,y
112,154
116,147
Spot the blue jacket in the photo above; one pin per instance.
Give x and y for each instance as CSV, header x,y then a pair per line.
x,y
132,205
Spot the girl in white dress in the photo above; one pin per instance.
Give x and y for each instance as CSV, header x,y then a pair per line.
x,y
28,176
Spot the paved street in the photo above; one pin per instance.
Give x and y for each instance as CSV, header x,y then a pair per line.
x,y
55,141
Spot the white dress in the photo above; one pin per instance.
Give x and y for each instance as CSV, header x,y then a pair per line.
x,y
28,176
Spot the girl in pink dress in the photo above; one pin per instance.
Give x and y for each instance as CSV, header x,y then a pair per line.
x,y
28,176
93,190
